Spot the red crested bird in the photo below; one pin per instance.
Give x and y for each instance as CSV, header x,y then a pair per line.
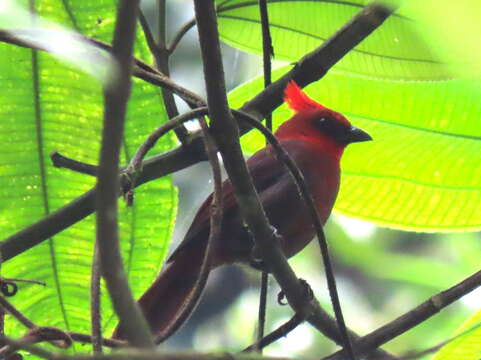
x,y
315,138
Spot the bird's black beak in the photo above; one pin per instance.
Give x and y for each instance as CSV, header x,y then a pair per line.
x,y
356,135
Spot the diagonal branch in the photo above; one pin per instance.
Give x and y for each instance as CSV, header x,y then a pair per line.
x,y
414,317
226,133
278,333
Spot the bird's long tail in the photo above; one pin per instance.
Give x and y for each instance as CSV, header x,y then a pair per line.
x,y
171,298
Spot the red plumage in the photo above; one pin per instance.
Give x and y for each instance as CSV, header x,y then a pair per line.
x,y
315,138
298,100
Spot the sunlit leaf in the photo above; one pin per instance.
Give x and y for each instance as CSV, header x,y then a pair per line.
x,y
59,41
394,51
452,31
468,345
422,171
44,107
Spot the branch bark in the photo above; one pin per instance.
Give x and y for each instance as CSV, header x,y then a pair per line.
x,y
116,95
414,317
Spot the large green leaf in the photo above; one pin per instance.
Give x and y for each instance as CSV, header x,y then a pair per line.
x,y
468,345
422,171
452,31
394,51
46,106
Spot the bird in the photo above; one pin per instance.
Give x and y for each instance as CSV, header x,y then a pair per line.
x,y
315,138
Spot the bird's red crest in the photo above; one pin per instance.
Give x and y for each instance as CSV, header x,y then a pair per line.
x,y
298,100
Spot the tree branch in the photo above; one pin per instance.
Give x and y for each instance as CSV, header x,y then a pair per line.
x,y
60,161
180,34
95,305
161,56
281,331
414,317
267,52
13,311
116,95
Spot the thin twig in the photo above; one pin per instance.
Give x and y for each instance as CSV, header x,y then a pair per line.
x,y
162,23
136,161
161,56
36,282
12,310
95,305
2,324
84,338
159,79
216,213
116,95
261,317
180,34
32,349
87,339
281,331
60,161
35,335
413,317
267,53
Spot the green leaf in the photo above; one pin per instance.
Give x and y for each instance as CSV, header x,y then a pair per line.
x,y
395,51
57,40
422,171
468,345
450,30
44,107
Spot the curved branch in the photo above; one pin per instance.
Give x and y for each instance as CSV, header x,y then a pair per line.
x,y
180,34
216,213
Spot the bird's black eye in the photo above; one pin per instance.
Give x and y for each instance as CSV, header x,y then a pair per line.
x,y
331,127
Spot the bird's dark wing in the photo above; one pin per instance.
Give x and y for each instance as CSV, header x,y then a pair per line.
x,y
265,169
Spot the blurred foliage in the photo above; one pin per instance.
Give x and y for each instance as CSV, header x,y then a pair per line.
x,y
411,84
467,344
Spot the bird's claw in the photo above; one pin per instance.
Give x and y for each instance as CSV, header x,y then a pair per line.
x,y
281,296
307,289
257,264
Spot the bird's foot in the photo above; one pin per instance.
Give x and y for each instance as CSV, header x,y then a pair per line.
x,y
281,296
255,258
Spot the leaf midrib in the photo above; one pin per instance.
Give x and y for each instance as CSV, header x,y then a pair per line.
x,y
411,127
412,181
364,52
43,177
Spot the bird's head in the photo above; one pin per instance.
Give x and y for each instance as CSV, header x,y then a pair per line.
x,y
316,123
